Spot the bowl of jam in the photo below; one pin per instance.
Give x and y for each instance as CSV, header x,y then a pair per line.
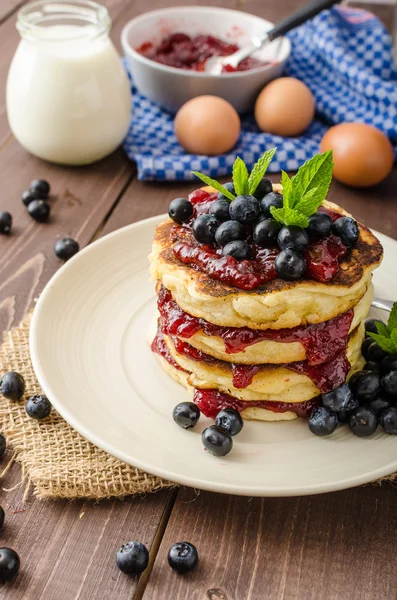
x,y
166,51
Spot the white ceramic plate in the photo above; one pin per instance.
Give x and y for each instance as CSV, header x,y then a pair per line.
x,y
90,354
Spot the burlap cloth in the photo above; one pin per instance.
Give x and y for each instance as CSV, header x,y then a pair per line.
x,y
56,460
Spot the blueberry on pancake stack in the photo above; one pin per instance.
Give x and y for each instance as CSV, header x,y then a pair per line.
x,y
262,291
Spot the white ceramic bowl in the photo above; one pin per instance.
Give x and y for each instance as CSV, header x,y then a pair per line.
x,y
171,87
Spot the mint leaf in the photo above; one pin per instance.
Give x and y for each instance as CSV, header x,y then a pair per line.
x,y
289,216
383,329
214,184
387,344
393,336
392,323
240,177
286,182
259,169
314,173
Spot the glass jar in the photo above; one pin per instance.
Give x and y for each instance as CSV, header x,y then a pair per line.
x,y
68,96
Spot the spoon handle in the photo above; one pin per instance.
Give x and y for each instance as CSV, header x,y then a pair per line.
x,y
300,16
383,304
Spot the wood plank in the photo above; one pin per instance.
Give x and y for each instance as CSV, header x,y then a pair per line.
x,y
333,546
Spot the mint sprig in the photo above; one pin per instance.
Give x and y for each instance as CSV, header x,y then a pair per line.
x,y
240,177
259,169
387,334
213,183
304,192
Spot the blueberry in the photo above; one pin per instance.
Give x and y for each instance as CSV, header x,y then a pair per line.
x,y
180,210
363,422
264,187
65,248
370,325
204,229
132,558
5,222
220,210
40,186
365,346
216,440
389,383
365,385
240,250
230,188
293,237
38,407
244,209
230,420
372,366
273,199
375,352
389,363
290,265
339,399
266,232
39,210
229,231
344,415
320,225
379,404
186,414
3,444
323,421
347,229
29,195
183,557
12,386
2,516
9,564
388,420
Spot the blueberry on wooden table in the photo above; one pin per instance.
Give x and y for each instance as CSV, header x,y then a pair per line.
x,y
9,564
12,385
217,441
29,195
40,186
132,558
39,210
230,420
186,414
38,407
5,222
65,248
3,444
183,557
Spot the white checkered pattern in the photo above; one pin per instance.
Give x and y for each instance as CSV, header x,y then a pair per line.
x,y
345,57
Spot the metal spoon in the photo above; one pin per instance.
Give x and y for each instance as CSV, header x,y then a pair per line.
x,y
382,304
215,64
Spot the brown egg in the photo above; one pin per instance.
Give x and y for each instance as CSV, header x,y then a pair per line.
x,y
285,107
207,125
363,155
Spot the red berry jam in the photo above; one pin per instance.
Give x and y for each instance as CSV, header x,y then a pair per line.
x,y
159,347
323,258
191,53
210,402
321,341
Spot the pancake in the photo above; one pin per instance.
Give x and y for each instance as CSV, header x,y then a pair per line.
x,y
271,382
276,304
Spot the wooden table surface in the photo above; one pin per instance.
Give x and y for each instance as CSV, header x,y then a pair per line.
x,y
332,546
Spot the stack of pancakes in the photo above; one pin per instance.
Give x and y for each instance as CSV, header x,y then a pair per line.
x,y
300,339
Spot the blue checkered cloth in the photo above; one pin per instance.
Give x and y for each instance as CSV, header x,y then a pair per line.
x,y
344,55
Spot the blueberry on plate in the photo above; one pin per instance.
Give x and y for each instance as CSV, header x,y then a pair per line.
x,y
38,407
389,363
220,210
375,352
339,399
65,248
264,187
186,414
3,444
132,558
389,383
230,188
266,232
217,441
180,210
344,415
183,557
240,250
370,325
379,404
365,385
372,366
39,210
204,229
29,195
230,420
347,229
323,421
41,186
272,199
244,209
5,222
365,347
12,385
9,564
290,265
320,225
294,238
229,231
388,420
363,422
